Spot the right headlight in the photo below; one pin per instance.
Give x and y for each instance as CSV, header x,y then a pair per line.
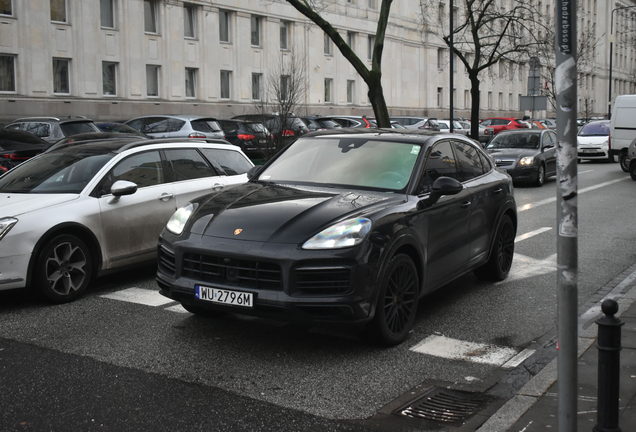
x,y
5,225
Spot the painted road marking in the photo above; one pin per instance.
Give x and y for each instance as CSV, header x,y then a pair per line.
x,y
140,296
524,267
581,191
454,349
531,234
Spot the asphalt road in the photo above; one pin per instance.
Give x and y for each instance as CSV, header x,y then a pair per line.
x,y
124,358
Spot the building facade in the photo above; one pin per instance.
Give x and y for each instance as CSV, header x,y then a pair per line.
x,y
118,59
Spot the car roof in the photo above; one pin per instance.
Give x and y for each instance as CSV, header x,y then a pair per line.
x,y
58,119
523,131
121,144
377,133
177,116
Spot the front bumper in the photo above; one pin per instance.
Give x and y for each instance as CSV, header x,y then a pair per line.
x,y
13,271
519,173
288,283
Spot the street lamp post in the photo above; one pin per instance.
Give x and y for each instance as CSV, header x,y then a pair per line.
x,y
609,105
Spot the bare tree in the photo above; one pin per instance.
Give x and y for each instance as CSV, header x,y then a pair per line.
x,y
313,9
485,33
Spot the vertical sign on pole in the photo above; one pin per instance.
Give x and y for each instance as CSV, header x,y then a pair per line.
x,y
567,214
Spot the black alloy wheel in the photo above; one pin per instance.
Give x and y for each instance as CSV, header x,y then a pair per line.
x,y
622,159
540,176
632,170
397,303
498,265
64,269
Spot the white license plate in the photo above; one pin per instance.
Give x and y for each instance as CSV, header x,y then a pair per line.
x,y
262,141
589,151
235,298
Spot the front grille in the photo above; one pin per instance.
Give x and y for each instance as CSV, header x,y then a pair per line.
x,y
322,280
503,163
166,261
235,272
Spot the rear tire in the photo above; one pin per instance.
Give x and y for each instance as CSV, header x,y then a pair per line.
x,y
632,170
397,303
500,261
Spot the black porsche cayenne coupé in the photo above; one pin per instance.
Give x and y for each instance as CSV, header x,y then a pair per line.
x,y
349,227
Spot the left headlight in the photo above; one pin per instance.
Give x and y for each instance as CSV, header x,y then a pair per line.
x,y
341,235
5,225
178,220
528,160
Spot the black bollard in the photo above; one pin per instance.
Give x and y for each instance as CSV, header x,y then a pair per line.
x,y
609,362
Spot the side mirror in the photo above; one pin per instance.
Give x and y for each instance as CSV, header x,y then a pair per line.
x,y
123,187
254,171
442,186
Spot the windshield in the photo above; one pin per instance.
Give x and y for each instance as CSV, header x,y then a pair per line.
x,y
56,172
522,141
349,161
75,128
595,129
256,127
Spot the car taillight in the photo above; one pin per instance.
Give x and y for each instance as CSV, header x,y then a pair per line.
x,y
366,123
14,157
288,132
3,168
246,137
196,135
609,141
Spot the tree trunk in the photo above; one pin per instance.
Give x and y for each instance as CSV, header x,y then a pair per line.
x,y
376,96
474,105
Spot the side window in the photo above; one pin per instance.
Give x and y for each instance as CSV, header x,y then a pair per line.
x,y
136,124
487,122
469,161
549,140
143,169
440,162
228,126
155,125
175,125
188,164
232,162
39,129
485,162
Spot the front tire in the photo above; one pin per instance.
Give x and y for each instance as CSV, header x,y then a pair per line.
x,y
397,303
632,170
540,176
498,265
64,269
622,159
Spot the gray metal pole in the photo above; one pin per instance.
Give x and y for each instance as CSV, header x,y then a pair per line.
x,y
567,215
452,66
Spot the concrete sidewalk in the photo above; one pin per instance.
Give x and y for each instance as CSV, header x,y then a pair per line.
x,y
534,407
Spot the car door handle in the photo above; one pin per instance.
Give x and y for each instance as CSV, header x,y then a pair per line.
x,y
165,196
218,186
498,191
465,204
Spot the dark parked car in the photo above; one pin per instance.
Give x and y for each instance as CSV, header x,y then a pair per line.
x,y
320,123
527,155
252,137
120,128
284,132
52,129
349,228
16,146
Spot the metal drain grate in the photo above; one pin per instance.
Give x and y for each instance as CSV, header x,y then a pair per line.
x,y
444,405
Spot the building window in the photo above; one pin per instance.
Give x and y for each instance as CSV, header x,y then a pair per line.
x,y
58,10
500,101
61,78
6,7
7,73
489,100
224,26
150,16
256,86
284,35
152,81
440,58
328,85
509,100
285,87
191,82
189,21
350,91
109,78
225,84
351,40
373,4
327,44
256,31
370,45
440,97
466,98
107,13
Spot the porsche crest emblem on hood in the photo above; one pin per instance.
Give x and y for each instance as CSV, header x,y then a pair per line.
x,y
238,231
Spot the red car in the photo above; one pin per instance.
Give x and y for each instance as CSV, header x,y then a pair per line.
x,y
499,124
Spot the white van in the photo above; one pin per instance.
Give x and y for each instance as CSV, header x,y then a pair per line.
x,y
623,128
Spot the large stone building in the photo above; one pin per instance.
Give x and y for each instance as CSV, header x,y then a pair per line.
x,y
117,59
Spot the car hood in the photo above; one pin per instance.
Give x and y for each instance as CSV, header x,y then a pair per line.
x,y
15,204
281,214
511,153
